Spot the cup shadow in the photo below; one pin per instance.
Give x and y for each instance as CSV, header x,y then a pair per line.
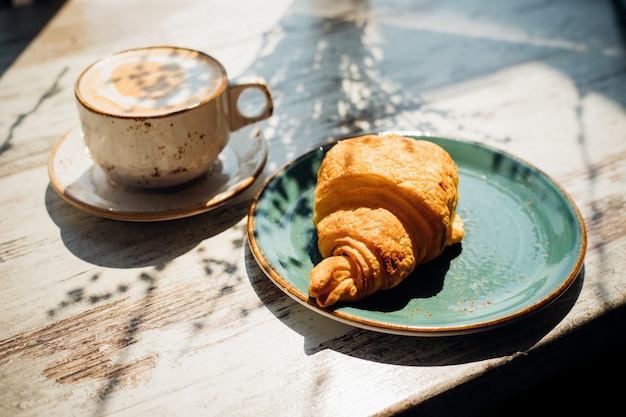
x,y
124,244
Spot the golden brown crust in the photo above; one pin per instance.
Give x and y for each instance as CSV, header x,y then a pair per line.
x,y
382,205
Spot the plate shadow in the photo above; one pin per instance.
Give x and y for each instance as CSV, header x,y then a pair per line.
x,y
320,332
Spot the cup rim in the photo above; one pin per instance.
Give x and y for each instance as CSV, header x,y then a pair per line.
x,y
91,107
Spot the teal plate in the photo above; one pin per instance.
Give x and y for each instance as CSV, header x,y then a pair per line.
x,y
524,245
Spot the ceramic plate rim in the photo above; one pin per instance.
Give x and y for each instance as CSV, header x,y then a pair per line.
x,y
360,322
213,201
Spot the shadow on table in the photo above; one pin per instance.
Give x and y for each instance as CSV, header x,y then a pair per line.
x,y
124,244
322,333
19,26
359,78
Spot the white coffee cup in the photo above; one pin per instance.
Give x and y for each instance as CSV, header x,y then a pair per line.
x,y
160,116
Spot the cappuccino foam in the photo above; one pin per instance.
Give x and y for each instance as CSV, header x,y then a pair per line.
x,y
150,82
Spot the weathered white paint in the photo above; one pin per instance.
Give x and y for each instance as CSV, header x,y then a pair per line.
x,y
99,317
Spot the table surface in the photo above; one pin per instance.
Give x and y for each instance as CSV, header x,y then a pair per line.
x,y
105,317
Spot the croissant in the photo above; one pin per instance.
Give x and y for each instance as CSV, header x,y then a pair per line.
x,y
382,205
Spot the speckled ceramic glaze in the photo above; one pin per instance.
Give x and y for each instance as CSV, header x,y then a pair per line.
x,y
75,177
524,245
160,116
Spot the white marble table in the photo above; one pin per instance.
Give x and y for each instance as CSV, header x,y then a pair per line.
x,y
103,317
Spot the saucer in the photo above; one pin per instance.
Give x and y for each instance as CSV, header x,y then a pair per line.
x,y
80,182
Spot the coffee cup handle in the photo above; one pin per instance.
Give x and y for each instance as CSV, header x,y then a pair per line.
x,y
238,119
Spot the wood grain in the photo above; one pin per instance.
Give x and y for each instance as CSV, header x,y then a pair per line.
x,y
101,317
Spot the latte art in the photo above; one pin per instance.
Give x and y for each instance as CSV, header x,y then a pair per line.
x,y
150,81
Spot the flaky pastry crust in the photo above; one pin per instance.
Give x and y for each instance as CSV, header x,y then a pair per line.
x,y
382,205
